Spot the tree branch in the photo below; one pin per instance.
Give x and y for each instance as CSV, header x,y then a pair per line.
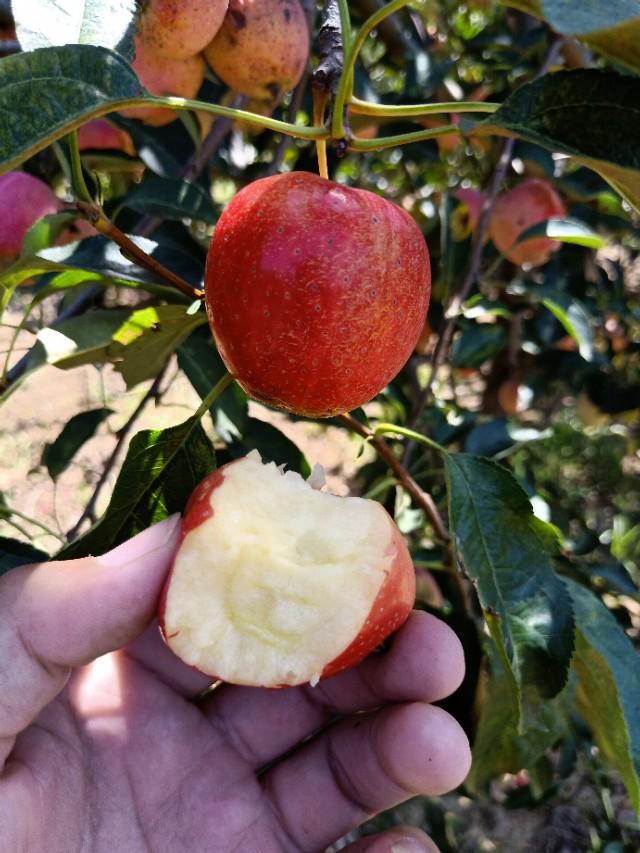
x,y
327,73
104,226
420,497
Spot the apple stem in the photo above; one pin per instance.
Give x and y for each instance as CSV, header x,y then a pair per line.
x,y
319,104
368,108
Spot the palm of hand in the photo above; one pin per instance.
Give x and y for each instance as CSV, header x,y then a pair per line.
x,y
120,759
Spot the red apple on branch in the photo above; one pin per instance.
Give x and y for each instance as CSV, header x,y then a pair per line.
x,y
262,47
316,293
276,583
529,203
179,29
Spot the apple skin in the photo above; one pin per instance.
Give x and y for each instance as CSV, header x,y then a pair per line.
x,y
316,293
262,48
163,76
389,610
532,201
100,135
179,29
23,200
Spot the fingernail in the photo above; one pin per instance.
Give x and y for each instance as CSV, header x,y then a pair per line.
x,y
151,539
408,845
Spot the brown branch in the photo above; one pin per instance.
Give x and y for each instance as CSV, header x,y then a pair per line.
x,y
421,498
154,393
327,73
101,223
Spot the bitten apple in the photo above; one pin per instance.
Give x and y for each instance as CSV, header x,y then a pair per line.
x,y
529,203
316,293
276,583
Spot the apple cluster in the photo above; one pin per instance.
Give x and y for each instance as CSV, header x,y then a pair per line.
x,y
259,48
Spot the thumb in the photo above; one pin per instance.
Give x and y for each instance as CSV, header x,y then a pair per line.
x,y
59,615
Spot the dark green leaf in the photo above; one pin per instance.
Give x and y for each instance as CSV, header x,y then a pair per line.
x,y
171,199
161,470
608,693
571,18
57,455
525,603
272,444
564,231
202,365
50,22
46,93
620,43
499,745
614,575
14,553
144,342
477,344
590,114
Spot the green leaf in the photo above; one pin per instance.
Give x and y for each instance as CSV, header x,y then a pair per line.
x,y
50,22
564,231
525,603
161,470
477,344
14,553
499,745
573,316
57,455
144,342
171,199
590,114
46,231
79,340
48,92
203,367
620,43
608,693
571,18
272,444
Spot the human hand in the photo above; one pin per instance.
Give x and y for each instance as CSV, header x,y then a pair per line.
x,y
104,750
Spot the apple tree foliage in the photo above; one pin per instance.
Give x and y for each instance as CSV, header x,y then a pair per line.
x,y
538,562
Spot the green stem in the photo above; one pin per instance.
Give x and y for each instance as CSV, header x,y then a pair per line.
x,y
296,130
401,138
345,25
36,523
384,428
213,395
338,130
78,183
368,108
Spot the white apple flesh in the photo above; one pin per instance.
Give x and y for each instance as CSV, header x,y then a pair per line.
x,y
276,583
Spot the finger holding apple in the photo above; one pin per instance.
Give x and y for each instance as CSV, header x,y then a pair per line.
x,y
276,583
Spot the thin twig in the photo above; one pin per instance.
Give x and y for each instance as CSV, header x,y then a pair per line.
x,y
130,250
154,393
421,498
